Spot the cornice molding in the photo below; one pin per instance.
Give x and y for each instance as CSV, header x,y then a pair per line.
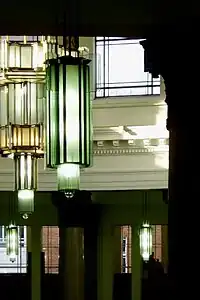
x,y
97,180
112,170
130,147
134,101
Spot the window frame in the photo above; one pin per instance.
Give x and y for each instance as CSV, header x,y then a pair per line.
x,y
155,83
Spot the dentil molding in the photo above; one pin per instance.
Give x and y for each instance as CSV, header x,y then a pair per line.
x,y
118,165
130,147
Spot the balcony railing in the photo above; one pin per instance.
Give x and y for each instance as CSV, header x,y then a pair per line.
x,y
120,69
142,88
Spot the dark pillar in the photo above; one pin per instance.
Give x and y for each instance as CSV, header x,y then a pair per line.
x,y
90,258
75,216
177,60
71,264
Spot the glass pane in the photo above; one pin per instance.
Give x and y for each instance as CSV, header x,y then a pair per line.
x,y
120,69
50,246
126,234
20,264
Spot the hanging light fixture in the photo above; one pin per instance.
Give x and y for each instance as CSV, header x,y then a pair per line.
x,y
145,234
68,123
145,241
22,91
12,242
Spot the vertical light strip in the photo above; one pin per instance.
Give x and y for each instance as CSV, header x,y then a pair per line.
x,y
72,113
12,242
53,115
47,119
22,171
82,116
29,171
62,139
146,241
6,53
88,116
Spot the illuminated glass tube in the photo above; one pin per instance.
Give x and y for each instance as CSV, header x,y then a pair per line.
x,y
12,242
68,123
68,177
145,241
26,182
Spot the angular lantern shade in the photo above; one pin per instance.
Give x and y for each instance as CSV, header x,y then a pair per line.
x,y
22,54
25,182
12,242
22,92
145,241
21,117
68,144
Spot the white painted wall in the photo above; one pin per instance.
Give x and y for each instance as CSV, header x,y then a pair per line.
x,y
109,172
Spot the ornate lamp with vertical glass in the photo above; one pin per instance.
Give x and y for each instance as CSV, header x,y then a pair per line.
x,y
22,91
145,241
12,242
68,123
145,234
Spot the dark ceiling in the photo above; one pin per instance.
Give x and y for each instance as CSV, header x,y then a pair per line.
x,y
137,18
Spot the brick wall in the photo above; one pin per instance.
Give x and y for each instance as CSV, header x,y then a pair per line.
x,y
126,232
156,242
50,246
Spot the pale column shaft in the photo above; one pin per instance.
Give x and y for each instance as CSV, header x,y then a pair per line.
x,y
136,264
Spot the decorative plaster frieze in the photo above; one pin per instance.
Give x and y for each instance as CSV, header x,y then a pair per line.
x,y
129,147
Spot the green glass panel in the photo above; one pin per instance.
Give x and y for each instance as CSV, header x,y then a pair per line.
x,y
72,107
89,129
68,113
85,117
145,234
61,115
82,118
25,171
68,177
12,242
47,117
25,202
52,103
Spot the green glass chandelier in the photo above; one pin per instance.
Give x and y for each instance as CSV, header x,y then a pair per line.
x,y
68,117
145,232
12,242
145,241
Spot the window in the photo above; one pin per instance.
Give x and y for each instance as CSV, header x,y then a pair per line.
x,y
20,265
157,241
120,69
126,246
2,236
50,246
21,38
126,249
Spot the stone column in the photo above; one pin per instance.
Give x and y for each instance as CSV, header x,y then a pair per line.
x,y
176,57
136,264
105,263
117,245
35,262
71,264
165,247
28,238
90,259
